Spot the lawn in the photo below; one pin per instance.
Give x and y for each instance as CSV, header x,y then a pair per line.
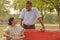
x,y
2,27
38,26
48,26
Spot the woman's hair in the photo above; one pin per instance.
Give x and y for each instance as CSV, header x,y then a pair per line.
x,y
10,20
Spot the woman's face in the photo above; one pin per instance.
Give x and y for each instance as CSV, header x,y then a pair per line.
x,y
14,21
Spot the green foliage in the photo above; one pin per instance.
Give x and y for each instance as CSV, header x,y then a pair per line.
x,y
40,4
50,18
3,9
19,4
16,16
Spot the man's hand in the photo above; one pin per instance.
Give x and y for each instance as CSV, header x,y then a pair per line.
x,y
21,24
42,29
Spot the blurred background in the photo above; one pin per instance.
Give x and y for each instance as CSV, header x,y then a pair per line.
x,y
49,10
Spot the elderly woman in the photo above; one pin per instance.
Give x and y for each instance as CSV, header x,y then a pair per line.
x,y
13,32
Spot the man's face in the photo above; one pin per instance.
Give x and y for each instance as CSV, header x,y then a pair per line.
x,y
28,7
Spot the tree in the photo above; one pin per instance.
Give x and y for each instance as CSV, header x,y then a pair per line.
x,y
3,7
54,4
19,4
4,10
50,19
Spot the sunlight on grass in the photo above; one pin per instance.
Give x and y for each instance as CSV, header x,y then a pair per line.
x,y
48,26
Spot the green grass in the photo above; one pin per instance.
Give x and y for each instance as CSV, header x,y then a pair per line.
x,y
38,26
48,26
2,27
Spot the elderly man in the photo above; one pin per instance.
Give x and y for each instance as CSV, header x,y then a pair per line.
x,y
29,15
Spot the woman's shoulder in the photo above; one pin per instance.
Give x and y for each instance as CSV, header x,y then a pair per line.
x,y
19,27
7,29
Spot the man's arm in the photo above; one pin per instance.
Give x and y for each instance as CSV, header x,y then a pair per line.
x,y
40,20
22,17
21,20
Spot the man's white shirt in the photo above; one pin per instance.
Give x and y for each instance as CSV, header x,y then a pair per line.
x,y
29,17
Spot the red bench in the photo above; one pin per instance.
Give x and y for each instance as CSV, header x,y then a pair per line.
x,y
38,35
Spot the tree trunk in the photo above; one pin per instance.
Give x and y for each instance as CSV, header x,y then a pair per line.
x,y
58,11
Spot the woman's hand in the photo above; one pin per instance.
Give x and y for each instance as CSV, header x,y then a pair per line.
x,y
15,38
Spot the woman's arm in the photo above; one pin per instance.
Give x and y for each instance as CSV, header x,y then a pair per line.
x,y
21,36
6,35
22,33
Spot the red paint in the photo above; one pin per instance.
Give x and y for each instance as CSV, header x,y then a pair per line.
x,y
38,35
